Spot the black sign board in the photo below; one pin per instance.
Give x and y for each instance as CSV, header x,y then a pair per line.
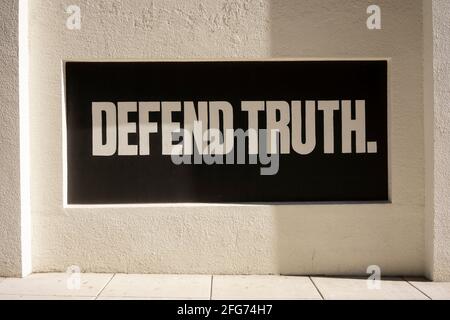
x,y
226,132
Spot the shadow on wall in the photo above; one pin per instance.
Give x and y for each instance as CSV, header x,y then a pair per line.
x,y
316,239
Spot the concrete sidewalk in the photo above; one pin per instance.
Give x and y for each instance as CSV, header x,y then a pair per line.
x,y
56,286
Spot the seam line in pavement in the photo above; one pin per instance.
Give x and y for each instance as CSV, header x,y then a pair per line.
x,y
407,281
104,287
211,288
317,288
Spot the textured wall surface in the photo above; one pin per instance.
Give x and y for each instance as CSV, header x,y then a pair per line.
x,y
297,239
10,248
437,76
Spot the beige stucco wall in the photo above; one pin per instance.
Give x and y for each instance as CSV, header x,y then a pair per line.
x,y
301,239
437,137
10,223
15,223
